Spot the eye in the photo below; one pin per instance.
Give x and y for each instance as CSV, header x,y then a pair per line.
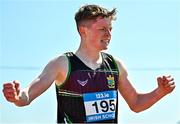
x,y
105,29
102,29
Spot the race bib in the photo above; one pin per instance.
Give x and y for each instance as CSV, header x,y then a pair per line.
x,y
100,105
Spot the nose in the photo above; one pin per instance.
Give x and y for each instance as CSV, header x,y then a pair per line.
x,y
108,33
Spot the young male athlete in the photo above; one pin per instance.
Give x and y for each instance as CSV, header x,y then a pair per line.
x,y
88,81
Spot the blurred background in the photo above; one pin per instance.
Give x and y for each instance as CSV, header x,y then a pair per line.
x,y
146,36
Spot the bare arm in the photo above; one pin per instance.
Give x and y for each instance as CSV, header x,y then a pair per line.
x,y
139,102
54,70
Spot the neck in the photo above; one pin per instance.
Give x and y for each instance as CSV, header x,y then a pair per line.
x,y
89,56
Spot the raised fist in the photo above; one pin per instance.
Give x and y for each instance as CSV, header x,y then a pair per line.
x,y
11,91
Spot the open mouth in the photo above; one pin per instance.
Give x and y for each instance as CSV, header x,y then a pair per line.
x,y
105,41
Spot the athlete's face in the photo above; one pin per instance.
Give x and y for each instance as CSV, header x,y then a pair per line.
x,y
98,34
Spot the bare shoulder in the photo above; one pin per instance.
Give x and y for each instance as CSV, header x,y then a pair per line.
x,y
121,66
60,64
57,63
60,61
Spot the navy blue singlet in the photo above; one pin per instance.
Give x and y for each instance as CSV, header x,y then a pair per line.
x,y
88,96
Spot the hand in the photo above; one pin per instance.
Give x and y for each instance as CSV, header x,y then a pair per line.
x,y
166,84
11,91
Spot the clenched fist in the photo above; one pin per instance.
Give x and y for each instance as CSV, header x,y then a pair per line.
x,y
166,84
11,91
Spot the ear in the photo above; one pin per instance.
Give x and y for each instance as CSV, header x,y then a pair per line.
x,y
82,30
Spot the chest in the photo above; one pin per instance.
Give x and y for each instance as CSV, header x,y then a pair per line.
x,y
85,81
